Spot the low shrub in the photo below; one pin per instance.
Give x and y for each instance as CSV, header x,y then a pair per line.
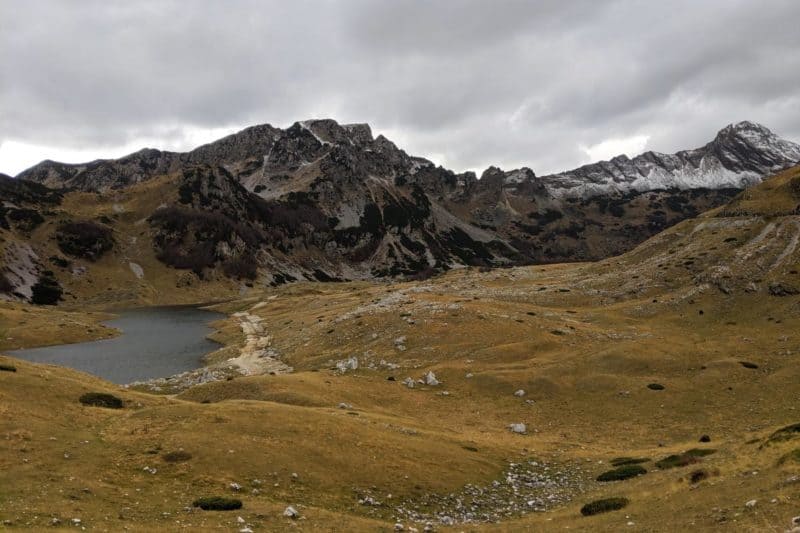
x,y
656,386
101,399
84,239
785,433
217,503
46,291
177,456
603,506
621,461
621,473
697,476
683,459
7,368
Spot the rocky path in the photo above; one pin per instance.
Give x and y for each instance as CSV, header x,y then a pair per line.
x,y
257,355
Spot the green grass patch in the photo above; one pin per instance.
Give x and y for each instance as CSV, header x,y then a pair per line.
x,y
604,506
623,472
177,456
686,458
101,399
217,503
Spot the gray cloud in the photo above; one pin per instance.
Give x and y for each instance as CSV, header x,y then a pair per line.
x,y
466,82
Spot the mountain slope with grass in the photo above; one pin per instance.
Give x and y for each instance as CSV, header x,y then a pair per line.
x,y
654,388
325,201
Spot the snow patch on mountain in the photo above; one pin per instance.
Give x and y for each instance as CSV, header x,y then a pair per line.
x,y
741,155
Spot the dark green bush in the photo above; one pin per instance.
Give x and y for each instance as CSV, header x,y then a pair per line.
x,y
683,459
604,506
46,291
621,461
177,456
101,399
217,503
622,472
84,239
656,386
7,368
697,476
785,433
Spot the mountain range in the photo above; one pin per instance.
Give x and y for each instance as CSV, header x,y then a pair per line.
x,y
327,201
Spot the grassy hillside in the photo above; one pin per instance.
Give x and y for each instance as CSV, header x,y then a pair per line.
x,y
687,343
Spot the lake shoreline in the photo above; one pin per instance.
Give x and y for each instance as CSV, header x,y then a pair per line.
x,y
147,343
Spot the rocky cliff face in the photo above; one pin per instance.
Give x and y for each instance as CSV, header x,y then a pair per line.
x,y
322,200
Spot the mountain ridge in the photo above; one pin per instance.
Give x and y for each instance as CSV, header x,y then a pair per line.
x,y
324,201
739,155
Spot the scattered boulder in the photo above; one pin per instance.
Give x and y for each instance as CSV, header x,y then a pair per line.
x,y
344,405
520,393
350,363
408,382
430,379
291,512
783,289
519,428
400,343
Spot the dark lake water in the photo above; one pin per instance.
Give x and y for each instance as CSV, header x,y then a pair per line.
x,y
155,342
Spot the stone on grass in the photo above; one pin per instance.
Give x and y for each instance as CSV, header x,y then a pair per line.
x,y
520,393
430,379
518,428
291,512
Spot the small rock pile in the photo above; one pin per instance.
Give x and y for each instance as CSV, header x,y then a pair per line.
x,y
526,487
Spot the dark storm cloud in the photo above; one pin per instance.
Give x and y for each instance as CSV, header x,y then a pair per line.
x,y
466,82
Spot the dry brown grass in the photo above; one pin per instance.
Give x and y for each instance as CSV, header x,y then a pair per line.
x,y
624,323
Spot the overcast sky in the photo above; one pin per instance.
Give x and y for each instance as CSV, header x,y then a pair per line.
x,y
466,83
